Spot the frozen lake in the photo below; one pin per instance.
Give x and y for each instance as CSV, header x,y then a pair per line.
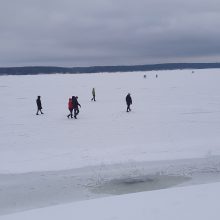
x,y
169,140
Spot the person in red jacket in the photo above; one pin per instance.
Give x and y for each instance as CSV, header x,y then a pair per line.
x,y
70,107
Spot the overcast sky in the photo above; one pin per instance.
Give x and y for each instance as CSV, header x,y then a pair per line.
x,y
108,32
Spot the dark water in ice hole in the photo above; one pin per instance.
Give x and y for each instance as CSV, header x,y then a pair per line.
x,y
139,184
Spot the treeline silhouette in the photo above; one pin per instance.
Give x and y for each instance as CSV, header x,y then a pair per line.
x,y
33,70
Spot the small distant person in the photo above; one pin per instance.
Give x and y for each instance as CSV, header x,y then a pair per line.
x,y
39,105
145,76
70,107
75,106
129,102
156,75
93,94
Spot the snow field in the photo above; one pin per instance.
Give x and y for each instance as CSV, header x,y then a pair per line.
x,y
175,117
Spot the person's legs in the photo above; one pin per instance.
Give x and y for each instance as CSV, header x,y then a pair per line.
x,y
93,98
71,113
75,113
39,110
128,108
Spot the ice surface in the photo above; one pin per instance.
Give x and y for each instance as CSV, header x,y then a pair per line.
x,y
170,138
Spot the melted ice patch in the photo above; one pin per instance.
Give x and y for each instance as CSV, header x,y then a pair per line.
x,y
139,184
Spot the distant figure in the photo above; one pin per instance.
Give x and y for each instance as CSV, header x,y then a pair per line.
x,y
156,75
70,107
75,106
145,76
39,106
129,102
93,94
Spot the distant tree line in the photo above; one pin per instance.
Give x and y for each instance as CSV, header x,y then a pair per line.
x,y
33,70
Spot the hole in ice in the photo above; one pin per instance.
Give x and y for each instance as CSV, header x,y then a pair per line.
x,y
138,184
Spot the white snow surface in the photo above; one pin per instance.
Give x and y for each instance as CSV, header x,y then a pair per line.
x,y
170,138
200,202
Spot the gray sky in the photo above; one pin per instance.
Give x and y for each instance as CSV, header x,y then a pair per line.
x,y
108,32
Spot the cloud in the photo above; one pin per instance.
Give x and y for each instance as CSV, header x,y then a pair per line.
x,y
108,32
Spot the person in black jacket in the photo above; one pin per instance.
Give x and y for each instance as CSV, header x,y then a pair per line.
x,y
75,106
39,106
129,102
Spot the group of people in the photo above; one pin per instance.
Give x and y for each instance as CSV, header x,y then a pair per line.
x,y
73,104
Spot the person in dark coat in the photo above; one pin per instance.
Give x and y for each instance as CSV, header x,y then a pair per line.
x,y
129,102
75,106
93,95
39,106
70,107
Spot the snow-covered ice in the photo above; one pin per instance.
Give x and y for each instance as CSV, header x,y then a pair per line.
x,y
200,202
170,138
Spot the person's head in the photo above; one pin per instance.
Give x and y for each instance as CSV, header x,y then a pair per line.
x,y
76,97
70,99
38,97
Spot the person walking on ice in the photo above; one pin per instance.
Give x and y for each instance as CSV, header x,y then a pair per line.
x,y
39,105
93,94
75,106
129,102
70,107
